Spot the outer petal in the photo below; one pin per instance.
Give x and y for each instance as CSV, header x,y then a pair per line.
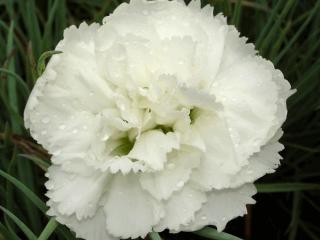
x,y
75,194
173,177
92,228
248,93
221,207
180,208
219,161
261,163
131,212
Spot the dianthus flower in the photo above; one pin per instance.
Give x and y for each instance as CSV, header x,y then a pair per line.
x,y
160,118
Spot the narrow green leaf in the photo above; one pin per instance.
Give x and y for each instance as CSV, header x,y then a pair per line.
x,y
277,45
305,85
154,236
48,26
20,224
286,187
298,33
38,161
236,14
295,216
211,233
49,229
42,60
29,194
22,83
5,233
12,91
268,24
275,27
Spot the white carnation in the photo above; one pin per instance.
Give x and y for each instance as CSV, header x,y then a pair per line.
x,y
160,118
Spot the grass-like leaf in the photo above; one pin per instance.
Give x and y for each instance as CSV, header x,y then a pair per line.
x,y
286,187
30,235
48,230
211,233
154,236
41,62
28,193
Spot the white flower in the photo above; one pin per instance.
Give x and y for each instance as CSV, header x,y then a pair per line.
x,y
160,118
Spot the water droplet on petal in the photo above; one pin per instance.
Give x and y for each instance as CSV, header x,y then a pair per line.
x,y
62,127
180,184
85,127
56,153
249,171
223,219
45,120
122,107
204,218
75,131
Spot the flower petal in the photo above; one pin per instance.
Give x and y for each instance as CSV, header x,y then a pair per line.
x,y
261,163
75,194
249,97
131,212
152,147
180,208
219,160
93,228
173,177
221,207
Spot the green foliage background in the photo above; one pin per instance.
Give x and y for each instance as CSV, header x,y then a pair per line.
x,y
285,31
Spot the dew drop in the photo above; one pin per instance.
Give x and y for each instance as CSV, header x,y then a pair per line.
x,y
75,131
85,127
204,218
180,184
62,127
223,219
56,153
45,120
122,107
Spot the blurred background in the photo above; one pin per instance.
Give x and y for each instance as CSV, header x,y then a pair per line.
x,y
285,31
